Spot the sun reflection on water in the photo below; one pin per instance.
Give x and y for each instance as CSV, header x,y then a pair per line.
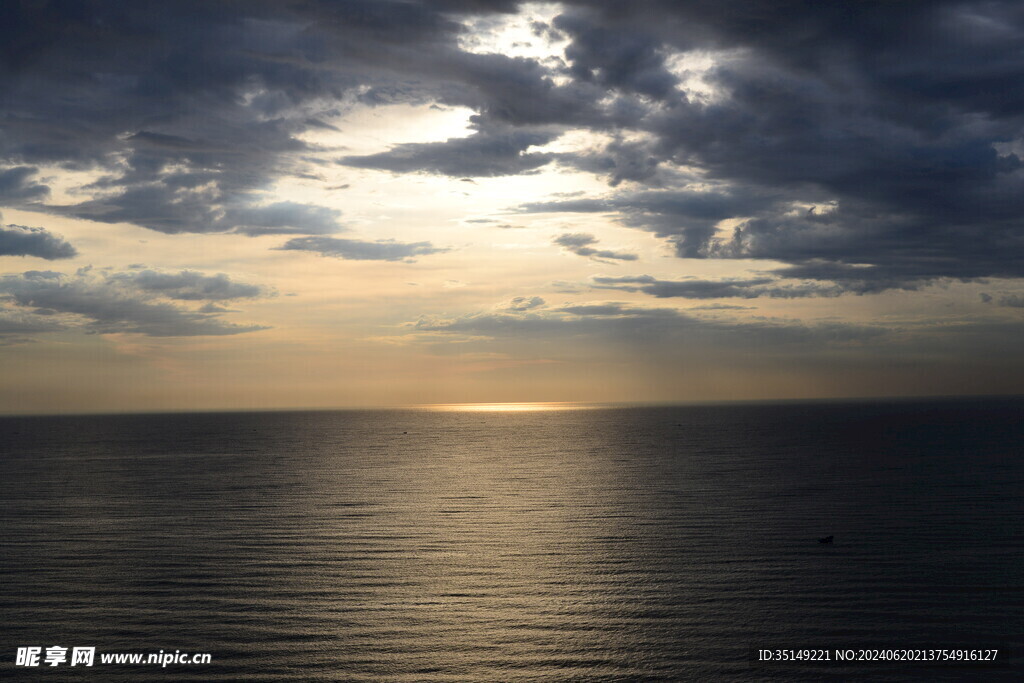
x,y
506,407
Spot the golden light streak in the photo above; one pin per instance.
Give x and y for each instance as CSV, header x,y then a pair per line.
x,y
505,407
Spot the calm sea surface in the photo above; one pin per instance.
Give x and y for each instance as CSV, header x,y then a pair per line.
x,y
618,544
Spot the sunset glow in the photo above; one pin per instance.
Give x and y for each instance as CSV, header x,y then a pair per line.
x,y
504,407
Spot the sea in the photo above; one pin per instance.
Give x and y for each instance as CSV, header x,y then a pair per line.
x,y
564,543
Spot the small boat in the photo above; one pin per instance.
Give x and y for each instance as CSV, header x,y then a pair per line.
x,y
827,539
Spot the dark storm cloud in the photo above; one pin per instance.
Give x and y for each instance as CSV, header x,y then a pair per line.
x,y
190,107
907,116
521,92
619,160
167,97
580,243
19,240
485,153
195,207
903,122
687,217
108,304
16,185
715,289
625,57
358,250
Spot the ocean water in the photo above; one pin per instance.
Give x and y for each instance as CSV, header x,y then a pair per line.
x,y
616,544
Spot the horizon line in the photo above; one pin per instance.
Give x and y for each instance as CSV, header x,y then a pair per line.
x,y
519,406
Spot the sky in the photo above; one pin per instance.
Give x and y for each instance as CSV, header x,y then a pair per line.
x,y
217,204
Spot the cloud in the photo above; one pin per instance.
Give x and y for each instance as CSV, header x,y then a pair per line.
x,y
1012,301
687,217
189,110
108,304
878,116
16,186
625,57
19,240
715,289
720,307
524,303
188,285
620,160
522,92
191,204
579,243
358,250
665,328
484,153
886,137
14,325
283,218
613,309
210,307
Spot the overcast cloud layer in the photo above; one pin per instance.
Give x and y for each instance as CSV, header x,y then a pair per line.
x,y
884,134
818,149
